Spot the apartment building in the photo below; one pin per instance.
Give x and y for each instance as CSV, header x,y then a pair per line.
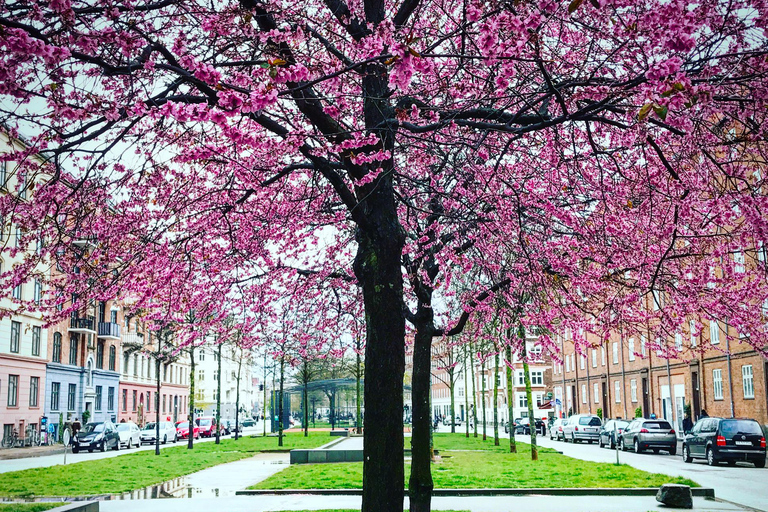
x,y
23,351
233,360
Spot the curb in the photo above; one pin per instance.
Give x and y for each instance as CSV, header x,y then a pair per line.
x,y
701,492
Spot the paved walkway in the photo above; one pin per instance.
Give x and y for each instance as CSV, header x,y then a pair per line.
x,y
473,504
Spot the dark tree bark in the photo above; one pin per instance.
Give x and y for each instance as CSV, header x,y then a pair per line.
x,y
420,484
218,398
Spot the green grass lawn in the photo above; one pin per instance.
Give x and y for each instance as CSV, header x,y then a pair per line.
x,y
28,507
489,467
129,472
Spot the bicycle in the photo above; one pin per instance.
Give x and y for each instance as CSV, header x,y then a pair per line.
x,y
12,440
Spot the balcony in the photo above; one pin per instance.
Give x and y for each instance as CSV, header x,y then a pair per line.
x,y
83,325
133,340
109,330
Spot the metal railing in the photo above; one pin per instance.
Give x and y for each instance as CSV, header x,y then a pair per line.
x,y
110,329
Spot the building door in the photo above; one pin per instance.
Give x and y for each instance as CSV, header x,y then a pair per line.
x,y
606,405
696,394
575,401
646,410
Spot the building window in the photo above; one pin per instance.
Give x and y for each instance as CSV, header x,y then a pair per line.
x,y
100,355
57,347
594,358
633,389
17,292
111,399
615,348
73,350
567,364
643,346
537,378
602,355
34,391
678,341
631,354
125,400
112,357
747,381
583,393
15,335
3,174
714,332
717,379
738,262
522,400
149,401
135,365
201,375
164,404
98,399
201,356
125,363
71,397
135,400
13,390
658,300
596,392
617,391
55,390
38,291
582,361
692,328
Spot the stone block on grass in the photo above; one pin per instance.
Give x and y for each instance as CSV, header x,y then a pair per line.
x,y
675,496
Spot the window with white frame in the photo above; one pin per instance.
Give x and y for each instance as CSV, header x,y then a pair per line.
x,y
761,251
747,381
537,378
643,345
738,262
692,328
520,378
658,300
714,332
602,355
717,384
596,392
522,400
617,391
583,361
631,349
633,389
678,341
567,363
594,358
615,347
583,393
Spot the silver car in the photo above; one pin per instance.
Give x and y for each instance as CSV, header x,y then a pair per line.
x,y
649,434
129,434
582,427
556,430
167,433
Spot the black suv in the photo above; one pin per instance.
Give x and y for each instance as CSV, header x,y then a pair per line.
x,y
728,440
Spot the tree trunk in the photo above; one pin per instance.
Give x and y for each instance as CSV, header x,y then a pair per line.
x,y
358,395
237,395
529,396
377,267
482,370
420,484
264,407
191,440
218,398
496,400
280,404
157,399
474,393
305,400
451,388
511,401
466,394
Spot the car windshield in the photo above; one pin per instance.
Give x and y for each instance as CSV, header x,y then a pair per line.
x,y
205,422
149,426
94,427
658,425
621,424
123,427
182,424
729,428
592,421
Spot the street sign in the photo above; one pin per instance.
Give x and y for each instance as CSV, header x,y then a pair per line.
x,y
67,438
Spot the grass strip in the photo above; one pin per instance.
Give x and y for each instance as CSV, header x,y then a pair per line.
x,y
137,470
28,507
486,467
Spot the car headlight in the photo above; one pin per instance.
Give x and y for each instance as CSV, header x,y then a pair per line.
x,y
98,437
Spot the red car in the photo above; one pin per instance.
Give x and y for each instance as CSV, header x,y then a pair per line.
x,y
182,430
207,425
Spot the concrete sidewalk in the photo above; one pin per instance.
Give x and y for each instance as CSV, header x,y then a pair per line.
x,y
473,504
31,451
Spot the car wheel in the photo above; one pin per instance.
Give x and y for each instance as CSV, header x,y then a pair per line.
x,y
686,455
731,462
104,446
637,447
600,442
117,446
759,463
711,460
621,445
673,450
573,439
656,451
75,449
165,439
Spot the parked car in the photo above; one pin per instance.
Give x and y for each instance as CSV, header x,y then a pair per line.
x,y
610,432
582,427
249,423
524,427
725,440
228,425
182,430
167,433
654,434
207,426
97,435
129,433
556,430
457,421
